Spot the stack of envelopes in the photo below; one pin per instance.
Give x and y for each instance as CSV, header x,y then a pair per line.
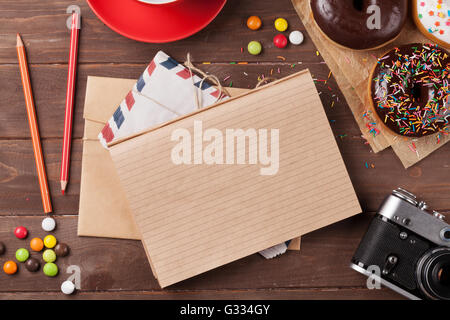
x,y
280,176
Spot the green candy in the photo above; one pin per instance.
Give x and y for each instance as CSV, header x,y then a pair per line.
x,y
22,255
50,269
49,255
254,48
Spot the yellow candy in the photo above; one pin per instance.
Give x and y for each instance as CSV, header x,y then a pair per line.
x,y
50,241
281,24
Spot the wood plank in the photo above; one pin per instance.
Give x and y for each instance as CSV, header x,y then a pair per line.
x,y
121,265
118,269
108,264
49,88
43,26
273,294
19,185
19,190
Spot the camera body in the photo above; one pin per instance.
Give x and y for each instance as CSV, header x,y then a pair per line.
x,y
407,249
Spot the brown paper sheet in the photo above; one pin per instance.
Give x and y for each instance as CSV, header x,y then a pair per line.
x,y
185,212
352,70
104,210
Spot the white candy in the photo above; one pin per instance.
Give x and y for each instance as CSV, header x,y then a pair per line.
x,y
67,287
48,224
296,37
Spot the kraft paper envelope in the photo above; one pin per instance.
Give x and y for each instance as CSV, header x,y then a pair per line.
x,y
186,210
104,211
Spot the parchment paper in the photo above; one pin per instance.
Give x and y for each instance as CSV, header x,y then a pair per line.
x,y
352,70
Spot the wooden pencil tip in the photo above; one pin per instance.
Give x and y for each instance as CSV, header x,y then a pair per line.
x,y
63,186
19,41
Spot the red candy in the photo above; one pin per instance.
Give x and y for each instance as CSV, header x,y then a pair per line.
x,y
21,232
280,41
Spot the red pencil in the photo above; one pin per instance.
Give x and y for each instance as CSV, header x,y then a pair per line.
x,y
71,76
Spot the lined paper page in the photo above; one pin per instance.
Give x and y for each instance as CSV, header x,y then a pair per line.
x,y
194,218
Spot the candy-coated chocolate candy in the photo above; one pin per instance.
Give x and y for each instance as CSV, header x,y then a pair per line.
x,y
254,48
67,287
32,264
296,37
22,255
50,269
21,232
50,241
48,224
62,249
2,248
49,255
36,244
254,23
280,41
281,24
10,267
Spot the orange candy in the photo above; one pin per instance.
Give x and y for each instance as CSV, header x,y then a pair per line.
x,y
10,267
254,23
36,244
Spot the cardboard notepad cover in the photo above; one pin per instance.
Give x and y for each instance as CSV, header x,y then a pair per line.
x,y
104,210
186,211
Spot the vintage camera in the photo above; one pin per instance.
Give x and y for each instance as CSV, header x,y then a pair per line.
x,y
407,249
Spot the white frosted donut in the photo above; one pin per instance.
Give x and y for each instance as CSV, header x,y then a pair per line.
x,y
433,19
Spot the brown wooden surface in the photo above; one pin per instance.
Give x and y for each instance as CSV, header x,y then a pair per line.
x,y
116,269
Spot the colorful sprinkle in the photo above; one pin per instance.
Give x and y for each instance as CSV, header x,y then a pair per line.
x,y
401,77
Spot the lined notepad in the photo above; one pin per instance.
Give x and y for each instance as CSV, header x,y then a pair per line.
x,y
186,212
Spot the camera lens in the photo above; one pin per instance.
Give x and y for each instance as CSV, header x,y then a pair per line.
x,y
433,274
444,275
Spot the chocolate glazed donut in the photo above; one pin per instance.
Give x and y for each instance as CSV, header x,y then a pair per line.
x,y
353,23
410,89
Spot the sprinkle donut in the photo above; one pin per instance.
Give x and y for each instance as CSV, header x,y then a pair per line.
x,y
410,90
432,17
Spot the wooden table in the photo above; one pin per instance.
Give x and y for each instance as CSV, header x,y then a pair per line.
x,y
118,268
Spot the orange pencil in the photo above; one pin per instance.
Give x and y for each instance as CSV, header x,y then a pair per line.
x,y
43,184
